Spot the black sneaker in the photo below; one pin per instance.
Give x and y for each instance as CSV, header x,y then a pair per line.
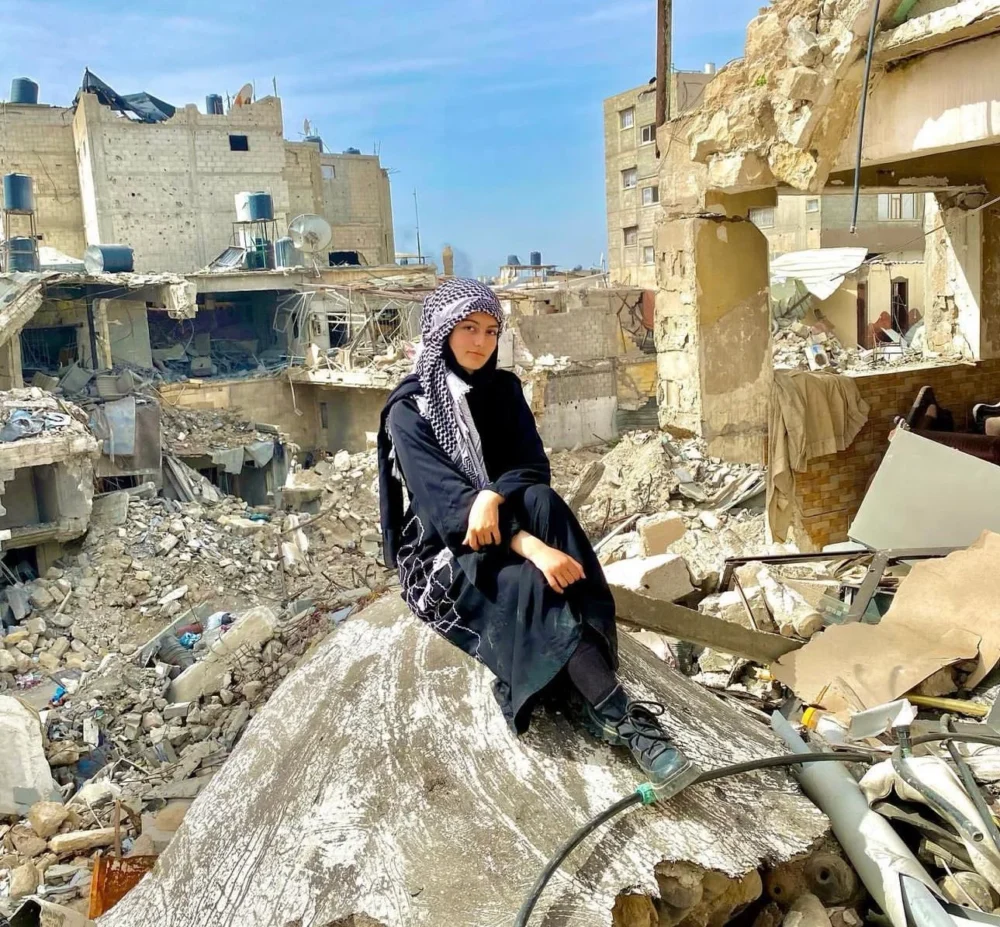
x,y
624,723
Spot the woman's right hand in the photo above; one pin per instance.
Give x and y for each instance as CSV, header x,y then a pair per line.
x,y
560,570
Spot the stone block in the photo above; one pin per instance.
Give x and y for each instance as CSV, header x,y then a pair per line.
x,y
658,532
664,576
46,817
254,629
800,83
40,597
23,881
77,841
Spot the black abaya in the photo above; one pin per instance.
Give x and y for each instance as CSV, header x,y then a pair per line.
x,y
493,604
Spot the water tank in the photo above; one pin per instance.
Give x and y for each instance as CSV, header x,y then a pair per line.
x,y
352,151
535,258
23,90
213,104
710,67
512,259
22,255
286,254
314,140
261,207
108,259
17,194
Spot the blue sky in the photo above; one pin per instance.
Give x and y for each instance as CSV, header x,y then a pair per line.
x,y
491,110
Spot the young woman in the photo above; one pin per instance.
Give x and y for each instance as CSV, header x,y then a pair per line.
x,y
488,554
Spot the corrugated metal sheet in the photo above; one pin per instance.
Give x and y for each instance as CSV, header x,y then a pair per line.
x,y
821,271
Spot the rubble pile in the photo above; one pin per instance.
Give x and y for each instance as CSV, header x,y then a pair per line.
x,y
805,347
345,544
190,432
30,411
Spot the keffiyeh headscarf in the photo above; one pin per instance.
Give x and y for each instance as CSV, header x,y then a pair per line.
x,y
443,402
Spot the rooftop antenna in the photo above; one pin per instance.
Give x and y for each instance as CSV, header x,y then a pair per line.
x,y
274,84
416,212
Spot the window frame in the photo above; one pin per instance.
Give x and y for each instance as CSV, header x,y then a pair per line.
x,y
654,198
238,142
812,201
626,114
754,214
634,172
633,232
651,251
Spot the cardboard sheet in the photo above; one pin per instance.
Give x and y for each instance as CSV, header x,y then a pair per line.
x,y
946,611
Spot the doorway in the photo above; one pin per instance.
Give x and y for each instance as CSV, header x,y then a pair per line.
x,y
900,305
864,329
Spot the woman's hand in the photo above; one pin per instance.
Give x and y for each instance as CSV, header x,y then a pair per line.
x,y
484,520
560,570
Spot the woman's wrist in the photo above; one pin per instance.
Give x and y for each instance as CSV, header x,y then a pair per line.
x,y
527,545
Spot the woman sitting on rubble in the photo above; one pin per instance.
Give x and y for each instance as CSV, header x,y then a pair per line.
x,y
488,554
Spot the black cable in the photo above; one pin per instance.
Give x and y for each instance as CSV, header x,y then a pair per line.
x,y
861,118
770,762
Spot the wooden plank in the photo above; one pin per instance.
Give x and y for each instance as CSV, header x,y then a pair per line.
x,y
688,625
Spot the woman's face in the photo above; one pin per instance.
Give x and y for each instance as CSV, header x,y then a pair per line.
x,y
474,340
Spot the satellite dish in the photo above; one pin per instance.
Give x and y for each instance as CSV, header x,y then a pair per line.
x,y
245,96
310,233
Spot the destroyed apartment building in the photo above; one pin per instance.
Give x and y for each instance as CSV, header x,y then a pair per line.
x,y
199,625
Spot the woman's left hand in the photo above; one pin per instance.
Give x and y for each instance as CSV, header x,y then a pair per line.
x,y
484,520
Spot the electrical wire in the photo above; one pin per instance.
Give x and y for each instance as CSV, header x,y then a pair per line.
x,y
641,796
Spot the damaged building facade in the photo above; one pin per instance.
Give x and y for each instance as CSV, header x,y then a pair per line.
x,y
783,120
166,188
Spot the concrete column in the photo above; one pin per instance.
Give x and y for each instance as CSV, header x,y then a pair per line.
x,y
954,269
712,333
11,374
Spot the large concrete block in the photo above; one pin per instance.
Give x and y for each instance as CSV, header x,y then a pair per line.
x,y
254,629
658,532
664,576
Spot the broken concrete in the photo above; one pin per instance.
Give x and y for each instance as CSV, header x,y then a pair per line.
x,y
664,576
293,767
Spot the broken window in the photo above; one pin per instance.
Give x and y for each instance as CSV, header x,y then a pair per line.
x,y
812,205
897,207
329,172
763,217
239,143
630,178
648,135
631,235
650,195
648,255
626,117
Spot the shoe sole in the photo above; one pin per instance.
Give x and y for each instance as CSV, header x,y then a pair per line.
x,y
676,782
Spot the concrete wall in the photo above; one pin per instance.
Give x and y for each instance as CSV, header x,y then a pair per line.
x,y
350,415
576,406
168,189
357,203
38,141
350,191
875,235
128,332
580,336
932,103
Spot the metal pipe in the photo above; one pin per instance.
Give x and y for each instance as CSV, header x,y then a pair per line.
x,y
861,117
891,873
971,786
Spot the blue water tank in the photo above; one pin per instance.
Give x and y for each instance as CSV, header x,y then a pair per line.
x,y
22,255
18,196
23,90
513,259
260,206
213,104
535,258
109,259
314,140
286,254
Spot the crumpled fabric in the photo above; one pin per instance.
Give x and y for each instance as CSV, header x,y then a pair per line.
x,y
812,415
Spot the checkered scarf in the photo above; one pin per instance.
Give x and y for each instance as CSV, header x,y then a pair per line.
x,y
443,401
